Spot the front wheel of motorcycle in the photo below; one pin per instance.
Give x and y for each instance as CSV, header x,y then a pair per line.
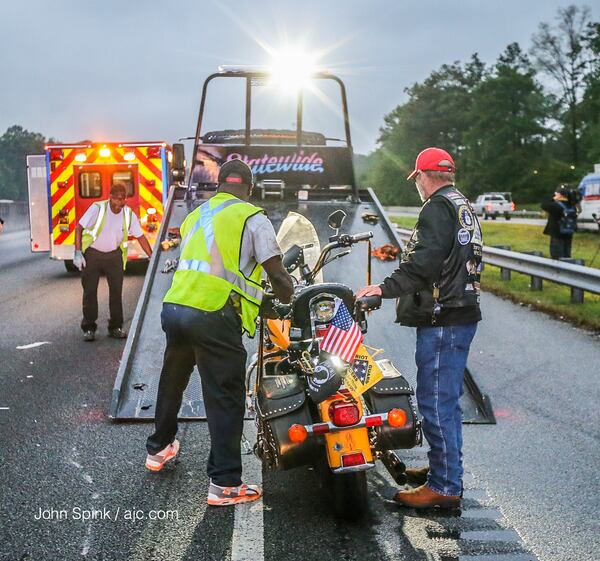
x,y
347,493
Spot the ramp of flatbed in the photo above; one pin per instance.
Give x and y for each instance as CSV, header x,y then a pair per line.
x,y
136,385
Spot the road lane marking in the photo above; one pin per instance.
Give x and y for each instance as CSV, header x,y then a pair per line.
x,y
33,345
4,408
248,540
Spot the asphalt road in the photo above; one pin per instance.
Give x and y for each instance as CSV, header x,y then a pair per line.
x,y
532,483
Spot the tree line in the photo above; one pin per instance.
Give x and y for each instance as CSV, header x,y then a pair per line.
x,y
526,123
15,144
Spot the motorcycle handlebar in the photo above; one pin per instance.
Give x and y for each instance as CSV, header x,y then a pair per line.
x,y
363,236
368,303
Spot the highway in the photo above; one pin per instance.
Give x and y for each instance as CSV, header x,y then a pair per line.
x,y
532,482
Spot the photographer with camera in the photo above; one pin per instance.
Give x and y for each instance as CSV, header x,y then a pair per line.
x,y
562,222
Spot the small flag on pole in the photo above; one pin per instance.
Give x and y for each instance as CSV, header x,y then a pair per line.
x,y
343,336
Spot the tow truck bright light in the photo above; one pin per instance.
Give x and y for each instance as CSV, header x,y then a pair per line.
x,y
292,69
104,152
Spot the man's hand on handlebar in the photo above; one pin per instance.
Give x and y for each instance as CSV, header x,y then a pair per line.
x,y
371,290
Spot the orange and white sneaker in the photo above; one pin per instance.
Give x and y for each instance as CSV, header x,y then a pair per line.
x,y
226,496
156,462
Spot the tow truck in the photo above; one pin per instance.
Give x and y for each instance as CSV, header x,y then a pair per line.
x,y
309,172
68,178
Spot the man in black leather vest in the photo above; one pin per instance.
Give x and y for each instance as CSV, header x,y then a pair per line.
x,y
437,291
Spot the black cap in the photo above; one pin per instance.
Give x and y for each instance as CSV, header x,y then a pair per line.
x,y
235,171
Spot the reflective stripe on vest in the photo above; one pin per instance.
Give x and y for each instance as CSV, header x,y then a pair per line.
x,y
205,222
91,235
217,267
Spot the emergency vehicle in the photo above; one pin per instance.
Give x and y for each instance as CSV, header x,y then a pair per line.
x,y
589,189
68,178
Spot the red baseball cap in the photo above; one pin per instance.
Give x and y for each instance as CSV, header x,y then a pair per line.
x,y
433,159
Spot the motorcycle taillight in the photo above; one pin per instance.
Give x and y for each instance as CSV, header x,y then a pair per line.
x,y
343,413
352,460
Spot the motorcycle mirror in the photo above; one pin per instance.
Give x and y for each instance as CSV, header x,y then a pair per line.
x,y
336,219
293,258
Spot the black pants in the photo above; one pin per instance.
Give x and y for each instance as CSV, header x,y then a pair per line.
x,y
98,263
213,342
560,246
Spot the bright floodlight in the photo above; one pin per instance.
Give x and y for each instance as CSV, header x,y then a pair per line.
x,y
292,69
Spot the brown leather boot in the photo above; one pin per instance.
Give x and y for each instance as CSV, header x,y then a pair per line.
x,y
417,475
424,497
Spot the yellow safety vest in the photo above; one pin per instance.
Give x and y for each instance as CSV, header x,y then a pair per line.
x,y
209,260
91,234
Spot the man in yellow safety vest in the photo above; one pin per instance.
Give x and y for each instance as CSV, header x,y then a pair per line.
x,y
101,248
226,244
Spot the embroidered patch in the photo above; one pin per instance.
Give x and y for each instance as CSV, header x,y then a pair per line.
x,y
464,236
465,217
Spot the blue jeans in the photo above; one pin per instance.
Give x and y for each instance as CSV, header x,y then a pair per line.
x,y
441,359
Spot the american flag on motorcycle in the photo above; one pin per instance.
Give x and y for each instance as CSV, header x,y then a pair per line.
x,y
343,336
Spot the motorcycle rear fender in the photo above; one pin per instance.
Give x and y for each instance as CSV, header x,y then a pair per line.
x,y
344,442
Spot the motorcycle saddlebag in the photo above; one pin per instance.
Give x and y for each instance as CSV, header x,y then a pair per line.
x,y
393,392
282,403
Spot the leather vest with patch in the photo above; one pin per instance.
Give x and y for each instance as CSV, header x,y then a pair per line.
x,y
459,283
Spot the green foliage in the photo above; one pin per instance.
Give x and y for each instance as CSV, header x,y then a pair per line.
x,y
504,130
15,144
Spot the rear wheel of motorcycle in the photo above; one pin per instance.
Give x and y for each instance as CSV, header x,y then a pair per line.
x,y
347,493
350,495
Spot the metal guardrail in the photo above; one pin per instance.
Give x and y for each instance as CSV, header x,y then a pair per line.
x,y
575,276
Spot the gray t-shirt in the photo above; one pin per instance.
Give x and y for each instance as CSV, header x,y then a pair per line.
x,y
259,243
111,236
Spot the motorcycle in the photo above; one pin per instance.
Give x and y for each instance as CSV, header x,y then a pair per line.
x,y
312,407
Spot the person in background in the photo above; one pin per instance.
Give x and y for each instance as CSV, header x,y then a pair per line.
x,y
1,224
562,223
101,248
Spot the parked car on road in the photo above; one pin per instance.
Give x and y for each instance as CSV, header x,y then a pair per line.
x,y
494,205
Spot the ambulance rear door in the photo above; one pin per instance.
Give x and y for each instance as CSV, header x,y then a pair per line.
x,y
39,210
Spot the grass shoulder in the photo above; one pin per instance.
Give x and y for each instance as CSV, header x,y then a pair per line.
x,y
553,299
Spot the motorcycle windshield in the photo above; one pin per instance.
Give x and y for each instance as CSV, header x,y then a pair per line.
x,y
298,230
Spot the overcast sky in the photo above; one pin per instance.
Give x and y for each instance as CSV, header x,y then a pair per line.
x,y
131,70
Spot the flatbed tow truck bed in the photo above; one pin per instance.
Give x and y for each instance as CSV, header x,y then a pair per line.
x,y
136,385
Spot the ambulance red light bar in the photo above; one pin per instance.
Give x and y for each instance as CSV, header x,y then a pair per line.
x,y
56,154
153,151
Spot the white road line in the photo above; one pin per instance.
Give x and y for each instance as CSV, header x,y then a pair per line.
x,y
248,540
33,345
4,408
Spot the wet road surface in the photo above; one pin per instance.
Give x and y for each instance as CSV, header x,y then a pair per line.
x,y
531,489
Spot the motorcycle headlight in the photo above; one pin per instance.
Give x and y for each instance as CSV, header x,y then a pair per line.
x,y
324,310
